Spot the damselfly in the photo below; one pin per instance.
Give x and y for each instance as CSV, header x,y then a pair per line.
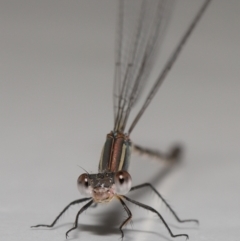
x,y
141,26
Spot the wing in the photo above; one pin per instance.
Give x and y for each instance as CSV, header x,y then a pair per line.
x,y
141,28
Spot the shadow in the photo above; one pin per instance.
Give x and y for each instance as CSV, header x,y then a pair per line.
x,y
103,230
99,229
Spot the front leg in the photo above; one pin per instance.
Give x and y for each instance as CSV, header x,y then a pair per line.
x,y
128,218
60,214
86,206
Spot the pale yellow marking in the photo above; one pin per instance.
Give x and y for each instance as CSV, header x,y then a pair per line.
x,y
122,157
101,159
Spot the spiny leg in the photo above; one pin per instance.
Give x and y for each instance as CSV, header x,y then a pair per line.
x,y
63,211
160,196
86,206
174,155
128,212
159,215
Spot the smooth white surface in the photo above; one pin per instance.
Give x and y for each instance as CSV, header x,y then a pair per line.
x,y
57,63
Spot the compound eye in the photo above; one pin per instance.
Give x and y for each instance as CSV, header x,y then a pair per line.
x,y
123,182
83,185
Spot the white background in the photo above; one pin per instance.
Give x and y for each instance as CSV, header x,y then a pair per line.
x,y
56,74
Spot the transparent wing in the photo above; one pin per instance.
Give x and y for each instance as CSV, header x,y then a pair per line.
x,y
141,27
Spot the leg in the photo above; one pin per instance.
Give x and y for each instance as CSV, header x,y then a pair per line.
x,y
160,196
63,211
174,154
79,212
159,215
129,215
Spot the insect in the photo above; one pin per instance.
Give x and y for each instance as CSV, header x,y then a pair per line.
x,y
134,60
